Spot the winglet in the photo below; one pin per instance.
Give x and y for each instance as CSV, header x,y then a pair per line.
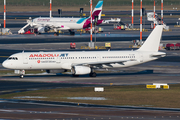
x,y
153,41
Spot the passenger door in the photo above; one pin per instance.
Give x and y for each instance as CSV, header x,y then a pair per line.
x,y
58,60
25,59
98,57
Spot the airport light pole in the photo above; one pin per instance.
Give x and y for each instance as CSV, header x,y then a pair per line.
x,y
154,11
50,15
96,20
141,23
4,13
132,13
81,11
162,12
59,12
1,29
91,43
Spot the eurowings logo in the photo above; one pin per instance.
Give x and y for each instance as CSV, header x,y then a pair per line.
x,y
43,20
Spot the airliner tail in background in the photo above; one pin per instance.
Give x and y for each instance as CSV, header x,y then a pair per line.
x,y
45,24
98,10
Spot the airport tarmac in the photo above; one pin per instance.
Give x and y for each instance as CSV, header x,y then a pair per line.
x,y
164,70
152,72
67,112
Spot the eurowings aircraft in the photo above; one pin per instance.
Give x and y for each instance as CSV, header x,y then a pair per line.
x,y
44,24
85,62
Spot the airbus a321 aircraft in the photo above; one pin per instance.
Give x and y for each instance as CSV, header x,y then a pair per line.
x,y
85,62
44,24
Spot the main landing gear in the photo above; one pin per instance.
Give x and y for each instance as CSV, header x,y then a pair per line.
x,y
75,75
92,74
56,33
72,32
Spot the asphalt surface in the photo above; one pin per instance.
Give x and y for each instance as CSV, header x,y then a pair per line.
x,y
40,110
26,15
164,70
30,109
78,38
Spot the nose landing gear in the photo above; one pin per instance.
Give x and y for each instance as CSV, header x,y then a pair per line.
x,y
21,72
21,76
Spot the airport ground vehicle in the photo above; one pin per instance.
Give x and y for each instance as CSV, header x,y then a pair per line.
x,y
72,45
31,31
119,27
177,46
171,46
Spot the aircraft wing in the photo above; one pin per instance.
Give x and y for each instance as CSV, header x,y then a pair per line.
x,y
57,26
100,63
52,26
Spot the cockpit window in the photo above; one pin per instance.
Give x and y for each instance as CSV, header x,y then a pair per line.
x,y
12,58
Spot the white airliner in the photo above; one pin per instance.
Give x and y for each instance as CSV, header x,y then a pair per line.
x,y
44,24
81,63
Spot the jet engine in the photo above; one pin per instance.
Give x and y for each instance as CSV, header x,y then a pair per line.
x,y
43,29
80,70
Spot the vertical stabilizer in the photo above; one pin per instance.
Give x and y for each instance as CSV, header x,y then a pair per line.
x,y
98,10
153,41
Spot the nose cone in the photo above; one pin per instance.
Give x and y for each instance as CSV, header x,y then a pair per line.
x,y
6,64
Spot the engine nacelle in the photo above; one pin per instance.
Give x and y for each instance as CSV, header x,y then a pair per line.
x,y
46,29
80,70
55,71
43,29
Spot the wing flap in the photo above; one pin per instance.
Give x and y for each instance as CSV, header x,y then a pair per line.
x,y
100,63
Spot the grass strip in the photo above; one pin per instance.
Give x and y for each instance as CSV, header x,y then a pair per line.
x,y
132,95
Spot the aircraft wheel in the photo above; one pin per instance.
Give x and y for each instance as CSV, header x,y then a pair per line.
x,y
72,33
57,33
93,74
75,75
21,76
